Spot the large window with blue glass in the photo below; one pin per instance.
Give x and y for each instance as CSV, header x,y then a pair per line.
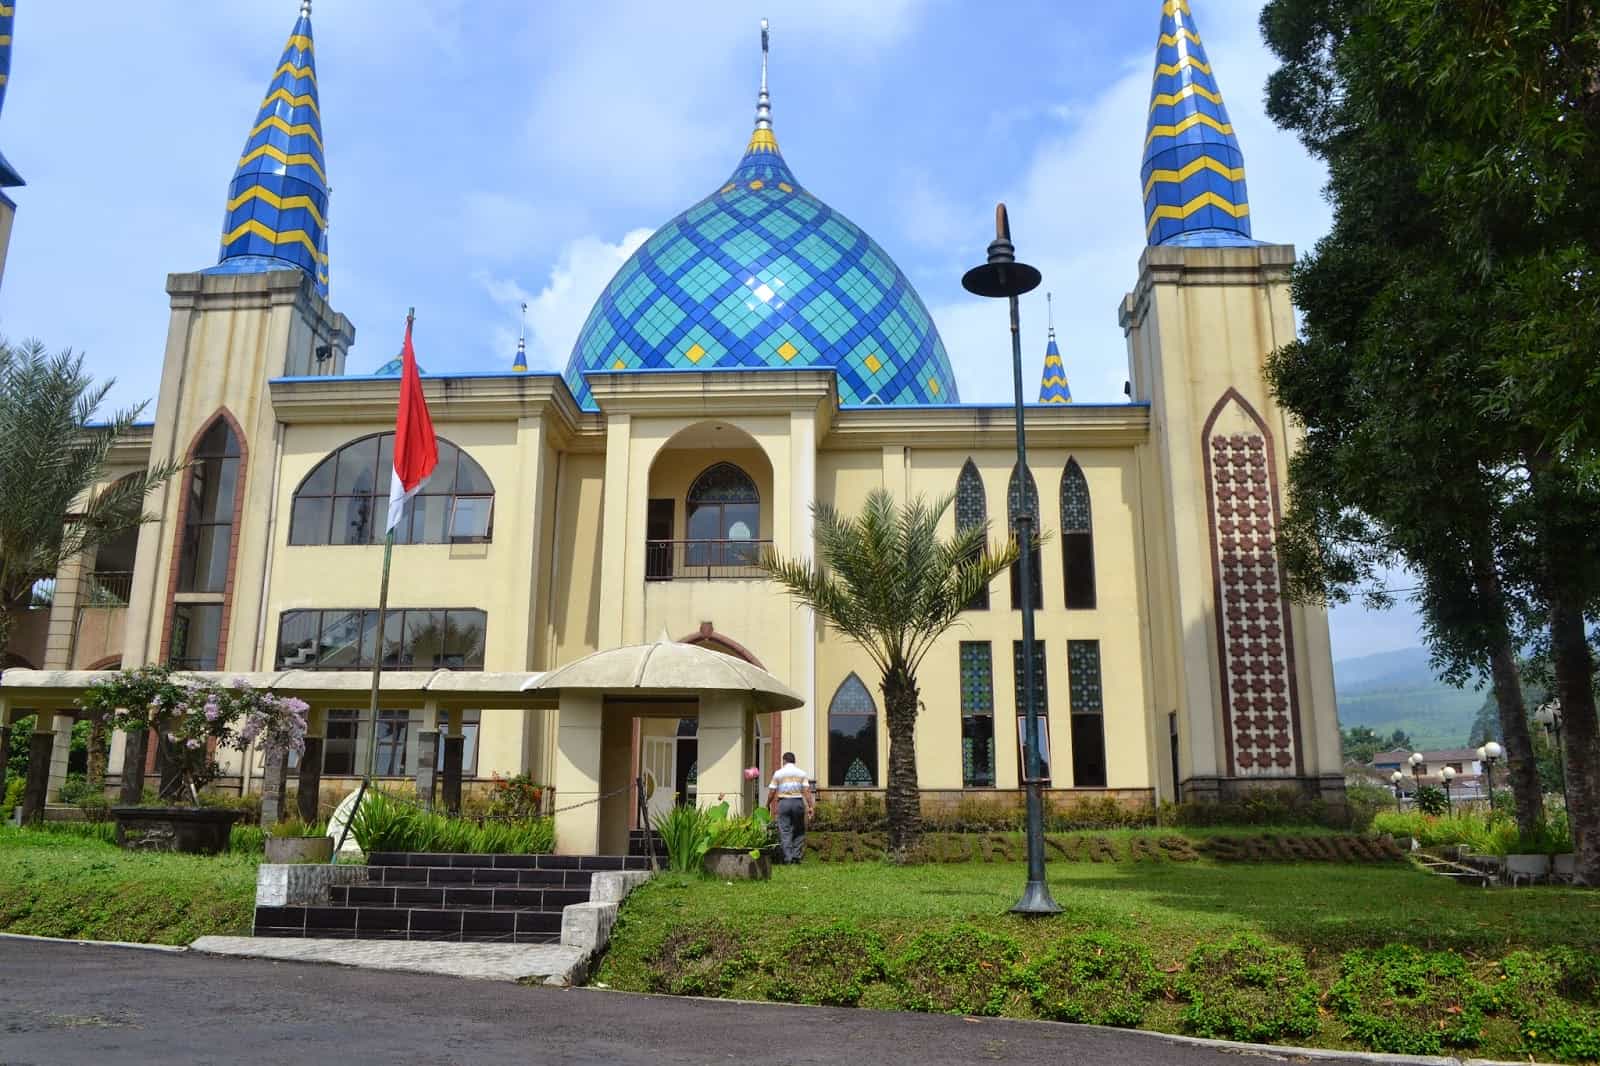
x,y
852,736
1088,714
1040,701
977,714
972,512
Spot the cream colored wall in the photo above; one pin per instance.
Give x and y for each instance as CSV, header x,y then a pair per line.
x,y
845,479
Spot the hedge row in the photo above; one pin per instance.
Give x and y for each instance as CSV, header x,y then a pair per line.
x,y
1012,847
1394,999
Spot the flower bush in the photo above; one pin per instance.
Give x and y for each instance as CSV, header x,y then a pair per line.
x,y
193,719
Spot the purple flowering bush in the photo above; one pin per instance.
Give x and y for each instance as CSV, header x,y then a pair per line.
x,y
195,719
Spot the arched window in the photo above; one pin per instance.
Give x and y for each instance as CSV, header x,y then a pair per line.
x,y
972,511
723,511
212,481
1077,538
345,499
1019,503
852,736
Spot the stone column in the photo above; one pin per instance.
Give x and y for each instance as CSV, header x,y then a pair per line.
x,y
274,786
578,773
720,751
37,790
133,756
454,748
428,753
309,795
61,725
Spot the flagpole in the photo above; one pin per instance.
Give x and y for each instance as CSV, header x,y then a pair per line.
x,y
377,667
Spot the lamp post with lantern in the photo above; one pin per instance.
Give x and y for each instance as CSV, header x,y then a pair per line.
x,y
1419,766
1488,754
1395,779
1447,774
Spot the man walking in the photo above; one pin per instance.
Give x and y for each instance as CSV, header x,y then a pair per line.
x,y
792,802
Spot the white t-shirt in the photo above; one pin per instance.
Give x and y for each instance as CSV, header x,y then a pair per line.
x,y
789,782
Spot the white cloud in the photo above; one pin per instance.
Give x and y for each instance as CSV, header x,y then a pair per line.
x,y
557,311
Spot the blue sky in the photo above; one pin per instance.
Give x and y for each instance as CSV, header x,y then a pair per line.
x,y
486,152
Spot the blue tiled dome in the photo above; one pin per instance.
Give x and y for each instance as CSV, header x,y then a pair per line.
x,y
763,274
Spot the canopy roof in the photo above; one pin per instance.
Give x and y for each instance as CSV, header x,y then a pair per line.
x,y
666,668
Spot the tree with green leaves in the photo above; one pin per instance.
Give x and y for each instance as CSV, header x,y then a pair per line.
x,y
1446,375
886,582
1361,743
53,454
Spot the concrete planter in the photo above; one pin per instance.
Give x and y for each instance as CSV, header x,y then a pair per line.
x,y
737,864
193,830
1528,868
299,849
1564,867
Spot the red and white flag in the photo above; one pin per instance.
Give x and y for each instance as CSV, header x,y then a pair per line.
x,y
416,450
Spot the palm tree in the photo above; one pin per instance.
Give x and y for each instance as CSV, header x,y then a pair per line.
x,y
889,585
52,454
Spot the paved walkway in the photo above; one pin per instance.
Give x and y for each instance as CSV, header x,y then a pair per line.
x,y
551,963
69,1003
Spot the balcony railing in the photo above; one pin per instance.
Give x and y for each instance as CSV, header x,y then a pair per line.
x,y
106,588
701,560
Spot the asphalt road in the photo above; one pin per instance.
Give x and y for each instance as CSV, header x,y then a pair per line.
x,y
62,1003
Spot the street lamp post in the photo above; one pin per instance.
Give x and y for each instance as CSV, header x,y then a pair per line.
x,y
1003,276
1395,779
1447,774
1489,753
1419,766
1549,716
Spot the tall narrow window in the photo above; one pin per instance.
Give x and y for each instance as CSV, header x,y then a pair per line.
x,y
1040,701
1020,501
1077,538
852,736
977,714
212,481
723,517
972,511
1088,714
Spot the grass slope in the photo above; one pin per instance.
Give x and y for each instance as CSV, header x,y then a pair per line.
x,y
65,886
1320,909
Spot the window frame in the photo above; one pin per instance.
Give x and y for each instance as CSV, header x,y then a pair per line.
x,y
1077,540
396,624
972,511
837,773
1042,694
970,716
1015,501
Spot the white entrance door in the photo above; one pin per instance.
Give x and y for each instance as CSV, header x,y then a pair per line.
x,y
660,771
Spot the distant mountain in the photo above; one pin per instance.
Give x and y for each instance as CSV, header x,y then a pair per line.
x,y
1398,690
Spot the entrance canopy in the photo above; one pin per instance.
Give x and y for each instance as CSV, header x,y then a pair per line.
x,y
57,689
666,669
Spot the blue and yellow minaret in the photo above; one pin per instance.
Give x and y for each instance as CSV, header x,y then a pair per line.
x,y
1053,386
278,203
1193,172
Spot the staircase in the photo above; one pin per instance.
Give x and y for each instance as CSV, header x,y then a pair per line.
x,y
1459,872
508,899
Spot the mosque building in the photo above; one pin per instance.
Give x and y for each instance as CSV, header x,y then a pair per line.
x,y
758,353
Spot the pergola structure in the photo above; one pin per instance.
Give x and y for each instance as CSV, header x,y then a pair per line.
x,y
596,697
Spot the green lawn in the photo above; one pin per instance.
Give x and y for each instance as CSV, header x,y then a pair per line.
x,y
1323,910
66,886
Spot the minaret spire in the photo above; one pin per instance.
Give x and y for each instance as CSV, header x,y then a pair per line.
x,y
762,166
1053,383
277,211
762,140
522,342
1193,171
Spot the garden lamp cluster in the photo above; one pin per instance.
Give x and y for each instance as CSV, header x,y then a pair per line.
x,y
1488,754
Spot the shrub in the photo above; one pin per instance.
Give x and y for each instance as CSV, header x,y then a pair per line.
x,y
13,798
1097,812
824,965
960,970
248,805
853,813
102,831
1266,806
514,798
686,833
1403,1000
697,961
387,823
294,827
1247,989
1430,799
1554,997
75,788
1095,978
246,840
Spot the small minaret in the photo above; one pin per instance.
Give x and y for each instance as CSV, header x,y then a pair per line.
x,y
277,217
1193,172
1053,384
521,363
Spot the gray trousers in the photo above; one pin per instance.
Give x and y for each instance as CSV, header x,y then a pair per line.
x,y
792,828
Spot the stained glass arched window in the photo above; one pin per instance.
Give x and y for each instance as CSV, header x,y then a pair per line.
x,y
345,499
852,736
724,512
1022,497
972,510
1077,538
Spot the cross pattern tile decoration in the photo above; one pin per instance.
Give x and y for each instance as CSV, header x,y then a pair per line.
x,y
1258,693
761,273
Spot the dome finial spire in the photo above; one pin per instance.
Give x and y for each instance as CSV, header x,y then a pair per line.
x,y
1053,387
1050,314
522,341
762,139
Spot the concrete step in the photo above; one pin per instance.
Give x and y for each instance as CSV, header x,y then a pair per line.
x,y
489,897
410,923
453,876
508,862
